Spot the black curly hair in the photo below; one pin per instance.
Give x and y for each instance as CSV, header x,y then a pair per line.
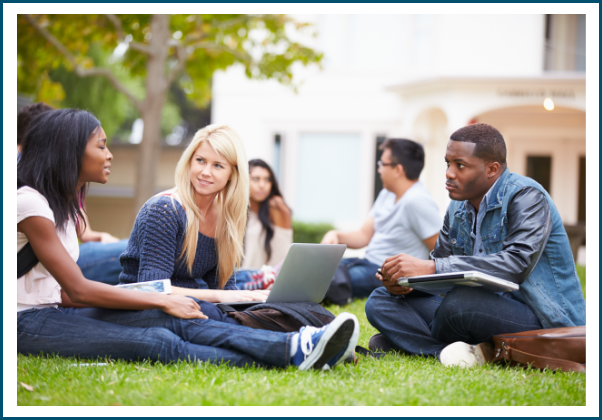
x,y
490,145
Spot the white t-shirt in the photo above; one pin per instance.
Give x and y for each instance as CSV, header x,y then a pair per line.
x,y
401,227
37,288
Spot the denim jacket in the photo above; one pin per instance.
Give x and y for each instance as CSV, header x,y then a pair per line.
x,y
525,242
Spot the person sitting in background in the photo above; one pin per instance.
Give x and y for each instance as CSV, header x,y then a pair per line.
x,y
269,232
25,117
499,223
403,219
99,251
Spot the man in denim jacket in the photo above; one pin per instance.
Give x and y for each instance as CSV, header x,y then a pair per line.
x,y
499,223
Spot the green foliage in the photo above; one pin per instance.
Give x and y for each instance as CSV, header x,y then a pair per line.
x,y
95,94
310,233
260,43
394,380
36,55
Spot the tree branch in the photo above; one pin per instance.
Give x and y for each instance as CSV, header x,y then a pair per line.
x,y
85,72
212,45
121,34
182,56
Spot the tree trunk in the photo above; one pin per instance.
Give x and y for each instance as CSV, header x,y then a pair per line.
x,y
156,95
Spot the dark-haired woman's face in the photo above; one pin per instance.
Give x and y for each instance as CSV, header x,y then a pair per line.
x,y
96,162
261,184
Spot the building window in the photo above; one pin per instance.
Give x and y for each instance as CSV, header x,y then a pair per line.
x,y
327,178
378,184
539,168
277,156
564,43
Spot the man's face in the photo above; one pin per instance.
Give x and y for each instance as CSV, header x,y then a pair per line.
x,y
387,170
466,175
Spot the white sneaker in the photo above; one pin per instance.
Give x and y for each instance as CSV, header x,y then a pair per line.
x,y
466,355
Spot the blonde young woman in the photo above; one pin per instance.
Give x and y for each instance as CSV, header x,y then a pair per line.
x,y
195,231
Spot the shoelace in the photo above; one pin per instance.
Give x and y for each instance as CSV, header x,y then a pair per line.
x,y
305,342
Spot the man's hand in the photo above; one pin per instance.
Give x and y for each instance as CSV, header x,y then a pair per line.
x,y
404,265
331,238
182,307
392,286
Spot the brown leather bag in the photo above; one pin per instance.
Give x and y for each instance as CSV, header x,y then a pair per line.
x,y
555,348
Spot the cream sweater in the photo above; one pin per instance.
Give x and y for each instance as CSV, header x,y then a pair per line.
x,y
255,255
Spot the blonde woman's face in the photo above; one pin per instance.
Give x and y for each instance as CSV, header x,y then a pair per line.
x,y
209,171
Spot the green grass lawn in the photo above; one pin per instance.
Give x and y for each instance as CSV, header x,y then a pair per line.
x,y
581,274
394,380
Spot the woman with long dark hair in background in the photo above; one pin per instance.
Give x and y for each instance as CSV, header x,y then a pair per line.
x,y
269,232
59,311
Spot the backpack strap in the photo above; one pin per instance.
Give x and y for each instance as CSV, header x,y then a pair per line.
x,y
26,260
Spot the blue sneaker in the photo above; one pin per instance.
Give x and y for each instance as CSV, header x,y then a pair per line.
x,y
322,348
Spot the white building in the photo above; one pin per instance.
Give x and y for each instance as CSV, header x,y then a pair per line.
x,y
420,77
414,76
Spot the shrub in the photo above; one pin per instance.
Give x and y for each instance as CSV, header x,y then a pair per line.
x,y
310,233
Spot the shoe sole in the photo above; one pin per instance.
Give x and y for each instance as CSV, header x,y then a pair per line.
x,y
466,355
350,350
334,339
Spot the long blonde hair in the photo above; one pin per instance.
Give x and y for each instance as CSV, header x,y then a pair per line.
x,y
232,201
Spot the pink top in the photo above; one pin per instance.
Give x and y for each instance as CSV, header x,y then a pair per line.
x,y
37,288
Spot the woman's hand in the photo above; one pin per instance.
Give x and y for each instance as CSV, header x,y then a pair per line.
x,y
240,295
183,307
277,203
280,214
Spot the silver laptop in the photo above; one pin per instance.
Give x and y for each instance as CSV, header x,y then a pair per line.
x,y
305,275
440,284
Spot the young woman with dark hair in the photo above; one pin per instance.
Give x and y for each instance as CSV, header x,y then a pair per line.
x,y
63,151
98,251
269,232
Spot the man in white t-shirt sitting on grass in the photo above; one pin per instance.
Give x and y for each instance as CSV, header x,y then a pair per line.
x,y
404,217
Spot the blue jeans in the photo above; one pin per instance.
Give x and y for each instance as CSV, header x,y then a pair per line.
x,y
362,276
148,334
100,262
420,323
242,277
